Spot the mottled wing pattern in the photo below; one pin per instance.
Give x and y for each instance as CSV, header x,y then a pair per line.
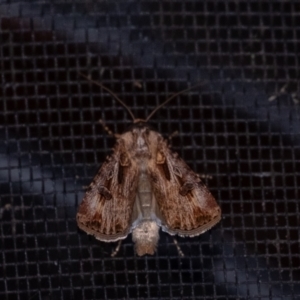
x,y
186,206
107,206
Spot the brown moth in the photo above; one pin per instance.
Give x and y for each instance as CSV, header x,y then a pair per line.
x,y
143,186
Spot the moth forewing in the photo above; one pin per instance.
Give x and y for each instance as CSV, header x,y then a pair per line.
x,y
186,205
107,215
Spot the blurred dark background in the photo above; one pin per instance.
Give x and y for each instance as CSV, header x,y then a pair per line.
x,y
241,127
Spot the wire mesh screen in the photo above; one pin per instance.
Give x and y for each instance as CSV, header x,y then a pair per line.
x,y
241,127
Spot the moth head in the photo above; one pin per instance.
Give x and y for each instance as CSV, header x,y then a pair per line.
x,y
140,126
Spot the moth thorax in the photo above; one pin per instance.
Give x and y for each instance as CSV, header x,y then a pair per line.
x,y
141,147
145,236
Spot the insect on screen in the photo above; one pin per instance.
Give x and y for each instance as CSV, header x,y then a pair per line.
x,y
240,129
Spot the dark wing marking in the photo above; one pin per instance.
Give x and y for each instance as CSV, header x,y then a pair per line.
x,y
185,204
106,209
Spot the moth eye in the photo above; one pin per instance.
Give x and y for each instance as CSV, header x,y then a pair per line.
x,y
124,160
103,191
185,188
160,158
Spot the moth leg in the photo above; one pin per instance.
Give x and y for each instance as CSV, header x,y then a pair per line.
x,y
114,253
172,135
178,248
107,129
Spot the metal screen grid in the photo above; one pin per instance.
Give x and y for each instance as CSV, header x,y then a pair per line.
x,y
241,127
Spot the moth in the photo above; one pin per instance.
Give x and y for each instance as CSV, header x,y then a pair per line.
x,y
144,186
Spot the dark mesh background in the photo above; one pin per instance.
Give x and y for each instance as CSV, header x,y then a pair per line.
x,y
241,127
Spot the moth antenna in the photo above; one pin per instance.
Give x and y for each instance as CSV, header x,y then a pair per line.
x,y
170,98
112,93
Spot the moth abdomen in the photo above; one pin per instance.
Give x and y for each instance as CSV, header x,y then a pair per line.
x,y
146,236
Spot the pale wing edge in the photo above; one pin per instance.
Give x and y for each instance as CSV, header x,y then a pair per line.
x,y
104,237
193,232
